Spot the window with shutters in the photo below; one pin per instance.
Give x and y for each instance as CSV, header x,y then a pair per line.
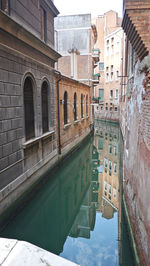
x,y
29,109
65,108
75,106
44,97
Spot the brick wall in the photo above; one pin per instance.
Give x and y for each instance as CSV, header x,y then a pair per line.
x,y
74,129
137,159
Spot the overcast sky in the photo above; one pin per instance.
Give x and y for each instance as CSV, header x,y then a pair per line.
x,y
95,7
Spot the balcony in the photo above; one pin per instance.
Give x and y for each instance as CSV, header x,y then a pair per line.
x,y
95,78
96,55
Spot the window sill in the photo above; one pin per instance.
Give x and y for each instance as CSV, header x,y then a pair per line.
x,y
82,119
76,122
87,117
33,141
66,126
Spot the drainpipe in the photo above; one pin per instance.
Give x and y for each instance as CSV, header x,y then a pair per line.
x,y
59,140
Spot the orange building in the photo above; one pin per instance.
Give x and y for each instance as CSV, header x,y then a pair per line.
x,y
74,112
107,90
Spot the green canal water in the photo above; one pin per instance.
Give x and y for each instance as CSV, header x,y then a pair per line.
x,y
76,212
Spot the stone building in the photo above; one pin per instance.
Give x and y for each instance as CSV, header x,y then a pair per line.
x,y
136,127
107,90
74,113
28,144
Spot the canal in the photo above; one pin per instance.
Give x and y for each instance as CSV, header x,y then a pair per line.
x,y
76,212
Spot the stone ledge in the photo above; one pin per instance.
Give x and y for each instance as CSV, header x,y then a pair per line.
x,y
33,141
14,252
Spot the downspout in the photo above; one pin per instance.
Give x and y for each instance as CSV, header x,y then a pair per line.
x,y
59,139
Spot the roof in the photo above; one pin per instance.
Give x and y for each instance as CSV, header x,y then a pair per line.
x,y
136,24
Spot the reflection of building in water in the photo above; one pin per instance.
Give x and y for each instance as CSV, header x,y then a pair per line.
x,y
85,220
106,142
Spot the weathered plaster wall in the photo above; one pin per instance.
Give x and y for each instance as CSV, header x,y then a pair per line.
x,y
137,157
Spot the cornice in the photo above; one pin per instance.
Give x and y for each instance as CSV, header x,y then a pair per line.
x,y
7,24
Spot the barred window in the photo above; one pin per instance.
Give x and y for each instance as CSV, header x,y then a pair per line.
x,y
44,97
75,106
65,108
29,109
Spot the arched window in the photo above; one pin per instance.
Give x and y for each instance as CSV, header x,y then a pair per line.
x,y
29,109
75,106
65,108
81,105
44,97
87,105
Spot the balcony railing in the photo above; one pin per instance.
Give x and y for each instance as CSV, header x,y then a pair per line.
x,y
96,54
96,78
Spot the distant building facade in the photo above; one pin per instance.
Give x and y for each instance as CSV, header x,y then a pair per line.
x,y
27,111
107,90
74,40
136,124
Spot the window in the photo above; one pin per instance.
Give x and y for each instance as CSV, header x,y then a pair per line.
x,y
111,94
87,113
116,94
107,51
105,163
111,76
29,109
43,25
5,6
100,143
112,40
75,106
101,107
110,148
115,150
107,42
65,108
106,106
114,192
107,77
110,165
44,97
109,189
112,67
101,94
116,109
81,105
105,185
112,48
115,168
101,66
117,75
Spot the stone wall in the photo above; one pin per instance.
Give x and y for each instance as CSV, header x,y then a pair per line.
x,y
137,157
19,159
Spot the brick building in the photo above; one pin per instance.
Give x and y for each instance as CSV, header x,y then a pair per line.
x,y
109,41
136,124
27,111
74,112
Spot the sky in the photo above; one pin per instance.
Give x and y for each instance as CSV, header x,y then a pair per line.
x,y
94,7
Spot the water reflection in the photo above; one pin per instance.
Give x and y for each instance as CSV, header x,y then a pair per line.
x,y
77,211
